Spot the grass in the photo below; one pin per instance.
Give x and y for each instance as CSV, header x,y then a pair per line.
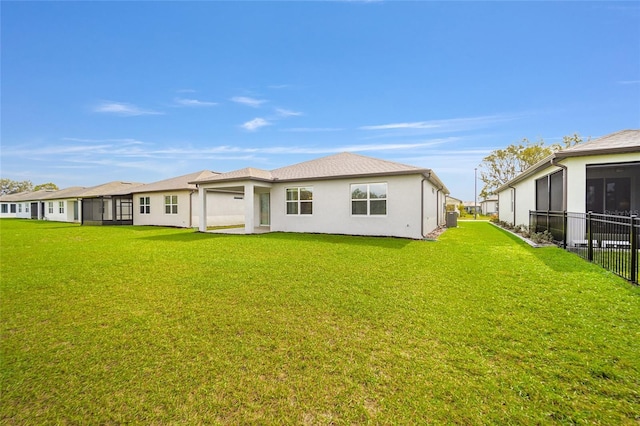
x,y
115,325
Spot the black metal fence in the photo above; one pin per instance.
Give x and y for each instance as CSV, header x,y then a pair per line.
x,y
612,242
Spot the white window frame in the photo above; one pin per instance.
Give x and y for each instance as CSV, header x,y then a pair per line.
x,y
19,207
170,204
50,207
298,202
145,205
368,199
61,207
26,207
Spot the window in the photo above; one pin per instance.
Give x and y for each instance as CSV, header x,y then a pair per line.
x,y
60,206
4,208
145,205
50,205
369,199
12,208
300,200
26,207
171,204
19,208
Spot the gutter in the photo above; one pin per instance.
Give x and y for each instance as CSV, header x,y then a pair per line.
x,y
564,182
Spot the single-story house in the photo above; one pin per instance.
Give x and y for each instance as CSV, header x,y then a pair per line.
x,y
344,193
174,202
25,205
489,205
452,203
599,176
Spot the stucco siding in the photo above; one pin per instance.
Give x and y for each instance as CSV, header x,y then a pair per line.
x,y
157,215
332,208
222,209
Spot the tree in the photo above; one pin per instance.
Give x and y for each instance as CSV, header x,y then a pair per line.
x,y
502,165
8,186
47,185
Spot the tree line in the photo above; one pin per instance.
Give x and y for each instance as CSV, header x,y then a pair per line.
x,y
8,186
502,165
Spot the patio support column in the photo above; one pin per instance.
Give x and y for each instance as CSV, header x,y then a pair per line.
x,y
249,196
202,209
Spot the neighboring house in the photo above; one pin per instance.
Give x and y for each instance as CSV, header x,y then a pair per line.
x,y
601,176
108,204
472,207
340,194
15,205
489,205
174,202
62,205
453,204
25,205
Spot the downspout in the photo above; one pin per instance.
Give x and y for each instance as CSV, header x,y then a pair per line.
x,y
564,199
514,204
564,182
191,208
422,205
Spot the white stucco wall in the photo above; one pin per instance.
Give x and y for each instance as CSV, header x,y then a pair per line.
x,y
222,209
332,208
68,213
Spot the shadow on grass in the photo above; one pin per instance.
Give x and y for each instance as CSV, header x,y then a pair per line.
x,y
386,242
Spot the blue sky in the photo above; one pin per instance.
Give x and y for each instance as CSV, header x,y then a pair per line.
x,y
143,91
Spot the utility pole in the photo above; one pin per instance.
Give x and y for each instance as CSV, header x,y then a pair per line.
x,y
475,193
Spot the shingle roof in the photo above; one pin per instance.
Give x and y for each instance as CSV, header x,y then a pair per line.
x,y
176,183
27,195
109,188
622,141
71,192
342,165
335,166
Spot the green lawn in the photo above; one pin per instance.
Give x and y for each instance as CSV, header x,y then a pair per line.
x,y
111,325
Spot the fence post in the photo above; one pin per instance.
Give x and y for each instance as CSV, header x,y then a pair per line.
x,y
589,238
634,249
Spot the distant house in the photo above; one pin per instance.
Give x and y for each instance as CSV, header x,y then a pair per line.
x,y
15,205
452,203
601,176
472,207
62,205
489,206
340,194
174,202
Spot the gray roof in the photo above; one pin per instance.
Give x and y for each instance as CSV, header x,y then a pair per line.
x,y
621,142
71,192
618,142
335,166
176,183
28,195
109,188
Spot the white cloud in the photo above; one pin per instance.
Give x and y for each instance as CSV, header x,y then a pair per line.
x,y
193,102
312,129
287,113
629,82
255,124
452,124
245,100
123,109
